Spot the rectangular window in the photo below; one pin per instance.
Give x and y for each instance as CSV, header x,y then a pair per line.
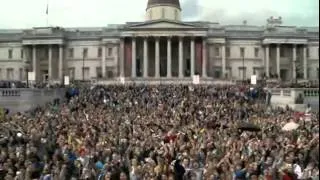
x,y
85,52
9,73
99,72
99,52
21,74
242,73
109,51
217,51
70,52
10,53
21,54
217,72
86,73
282,52
256,52
242,52
71,72
228,52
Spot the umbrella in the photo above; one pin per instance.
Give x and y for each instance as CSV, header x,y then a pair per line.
x,y
248,127
290,126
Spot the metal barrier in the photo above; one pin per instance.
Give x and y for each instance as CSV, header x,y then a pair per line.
x,y
9,92
311,93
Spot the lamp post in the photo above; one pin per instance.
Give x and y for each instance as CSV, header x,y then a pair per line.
x,y
26,66
27,76
83,64
243,68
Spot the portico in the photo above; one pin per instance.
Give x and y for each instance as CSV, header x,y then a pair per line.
x,y
289,62
163,49
165,56
45,59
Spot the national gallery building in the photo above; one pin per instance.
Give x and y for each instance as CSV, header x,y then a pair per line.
x,y
162,47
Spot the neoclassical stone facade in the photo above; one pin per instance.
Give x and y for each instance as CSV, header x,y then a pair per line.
x,y
162,47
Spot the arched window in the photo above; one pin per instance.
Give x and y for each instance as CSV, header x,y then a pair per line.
x,y
176,14
162,13
150,14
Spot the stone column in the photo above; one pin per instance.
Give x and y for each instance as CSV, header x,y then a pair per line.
x,y
278,60
116,59
50,62
223,53
294,61
61,62
204,58
121,57
192,57
134,58
180,57
305,63
103,61
34,61
169,61
157,58
145,57
267,61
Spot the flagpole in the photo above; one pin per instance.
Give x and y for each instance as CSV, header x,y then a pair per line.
x,y
47,13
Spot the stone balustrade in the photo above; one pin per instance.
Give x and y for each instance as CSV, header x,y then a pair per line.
x,y
288,96
24,99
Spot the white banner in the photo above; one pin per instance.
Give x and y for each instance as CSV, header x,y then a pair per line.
x,y
31,76
66,80
122,80
254,79
196,79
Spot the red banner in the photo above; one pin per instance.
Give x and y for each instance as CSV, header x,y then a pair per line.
x,y
128,53
199,56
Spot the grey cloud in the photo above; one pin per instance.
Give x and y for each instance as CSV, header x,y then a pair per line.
x,y
222,16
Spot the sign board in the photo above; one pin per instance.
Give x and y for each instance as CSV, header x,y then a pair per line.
x,y
31,76
66,80
254,79
122,80
196,79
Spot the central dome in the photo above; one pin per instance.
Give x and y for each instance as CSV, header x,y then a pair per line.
x,y
152,3
163,9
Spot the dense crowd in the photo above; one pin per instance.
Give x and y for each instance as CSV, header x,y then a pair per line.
x,y
160,133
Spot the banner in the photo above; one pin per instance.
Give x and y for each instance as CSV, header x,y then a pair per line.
x,y
122,80
31,76
128,54
253,79
66,80
196,79
199,56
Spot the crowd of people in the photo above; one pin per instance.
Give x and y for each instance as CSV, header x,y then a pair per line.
x,y
164,132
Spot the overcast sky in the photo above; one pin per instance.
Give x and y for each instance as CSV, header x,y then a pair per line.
x,y
93,13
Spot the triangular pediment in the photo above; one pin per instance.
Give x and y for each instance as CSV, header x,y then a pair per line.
x,y
160,24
